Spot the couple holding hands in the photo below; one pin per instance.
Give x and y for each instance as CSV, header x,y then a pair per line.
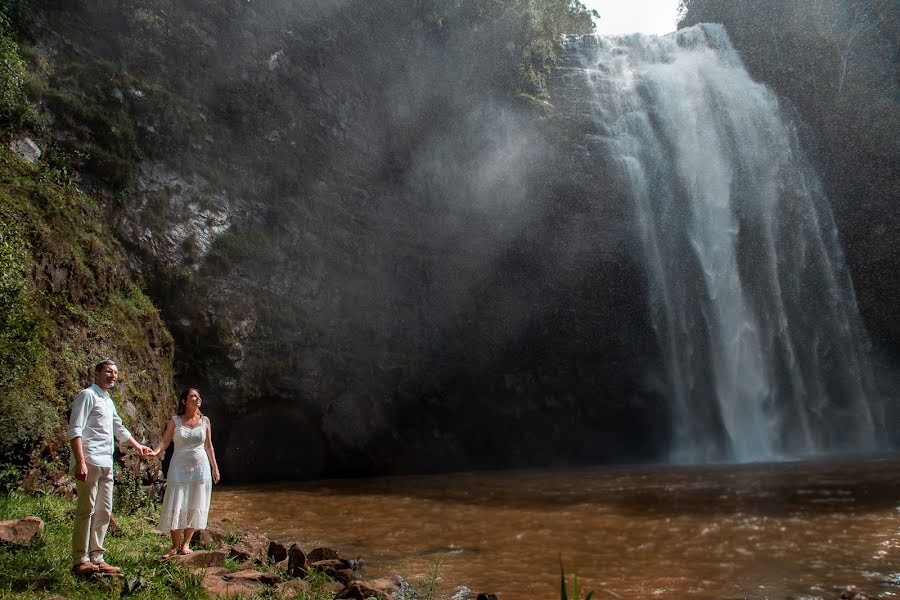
x,y
193,470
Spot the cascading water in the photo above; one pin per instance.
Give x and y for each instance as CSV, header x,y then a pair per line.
x,y
764,352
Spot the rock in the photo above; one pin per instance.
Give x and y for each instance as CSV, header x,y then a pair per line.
x,y
113,524
332,587
343,575
317,554
214,534
376,588
202,559
218,587
65,487
338,569
851,593
252,575
335,563
293,588
27,149
359,590
297,563
240,551
21,532
252,546
487,597
277,552
282,565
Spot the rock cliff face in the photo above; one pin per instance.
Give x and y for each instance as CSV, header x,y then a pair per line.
x,y
372,258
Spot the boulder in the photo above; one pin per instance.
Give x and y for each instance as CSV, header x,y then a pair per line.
x,y
252,575
21,532
277,552
252,546
317,554
218,587
113,525
202,559
487,597
27,149
213,536
337,569
851,593
376,588
335,563
297,563
332,587
293,588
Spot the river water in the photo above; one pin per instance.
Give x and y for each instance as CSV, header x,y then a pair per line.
x,y
799,530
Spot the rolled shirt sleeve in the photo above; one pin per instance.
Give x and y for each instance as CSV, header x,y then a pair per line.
x,y
81,408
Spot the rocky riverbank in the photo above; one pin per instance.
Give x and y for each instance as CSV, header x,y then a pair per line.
x,y
229,560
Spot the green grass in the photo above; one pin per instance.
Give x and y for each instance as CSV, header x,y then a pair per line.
x,y
43,569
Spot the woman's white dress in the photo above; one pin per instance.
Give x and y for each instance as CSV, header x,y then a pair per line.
x,y
189,481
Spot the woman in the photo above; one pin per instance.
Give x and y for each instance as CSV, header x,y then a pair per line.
x,y
192,473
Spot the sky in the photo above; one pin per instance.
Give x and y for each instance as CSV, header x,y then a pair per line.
x,y
629,16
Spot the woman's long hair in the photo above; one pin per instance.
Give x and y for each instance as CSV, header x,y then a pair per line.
x,y
182,402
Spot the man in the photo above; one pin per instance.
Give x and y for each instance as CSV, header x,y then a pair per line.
x,y
92,424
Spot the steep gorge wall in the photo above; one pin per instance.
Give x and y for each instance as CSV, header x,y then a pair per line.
x,y
67,296
373,256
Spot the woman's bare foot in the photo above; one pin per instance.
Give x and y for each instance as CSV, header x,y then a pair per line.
x,y
185,550
169,554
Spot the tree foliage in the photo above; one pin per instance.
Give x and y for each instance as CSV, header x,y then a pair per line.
x,y
525,34
12,79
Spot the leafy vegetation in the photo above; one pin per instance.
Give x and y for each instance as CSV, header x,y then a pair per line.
x,y
67,300
525,34
14,107
424,589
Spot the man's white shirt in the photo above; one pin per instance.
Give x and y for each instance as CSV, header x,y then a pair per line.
x,y
94,419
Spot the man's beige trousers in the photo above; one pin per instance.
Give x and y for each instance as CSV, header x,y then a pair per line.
x,y
92,514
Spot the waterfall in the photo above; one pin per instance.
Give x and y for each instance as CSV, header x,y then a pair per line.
x,y
764,353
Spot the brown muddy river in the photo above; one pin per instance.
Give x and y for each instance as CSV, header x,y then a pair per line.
x,y
800,530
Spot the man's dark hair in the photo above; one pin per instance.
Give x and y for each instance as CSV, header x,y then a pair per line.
x,y
102,364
